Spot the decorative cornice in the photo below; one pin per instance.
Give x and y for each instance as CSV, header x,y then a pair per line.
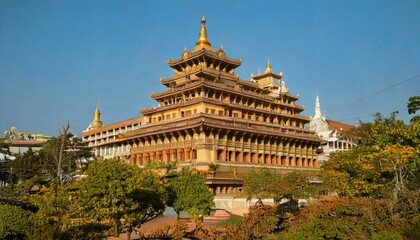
x,y
208,120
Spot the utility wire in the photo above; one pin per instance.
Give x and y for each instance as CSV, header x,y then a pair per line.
x,y
377,92
372,94
404,110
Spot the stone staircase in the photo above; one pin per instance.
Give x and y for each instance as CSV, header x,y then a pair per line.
x,y
216,217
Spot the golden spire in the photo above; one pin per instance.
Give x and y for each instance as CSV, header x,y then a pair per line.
x,y
203,41
268,67
97,123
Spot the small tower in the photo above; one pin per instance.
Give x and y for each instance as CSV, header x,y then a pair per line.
x,y
96,123
270,81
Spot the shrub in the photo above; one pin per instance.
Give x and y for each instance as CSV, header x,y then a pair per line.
x,y
13,222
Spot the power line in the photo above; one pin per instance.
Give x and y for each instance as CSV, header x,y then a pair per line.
x,y
403,111
377,92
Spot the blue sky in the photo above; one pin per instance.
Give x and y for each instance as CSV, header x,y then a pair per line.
x,y
57,58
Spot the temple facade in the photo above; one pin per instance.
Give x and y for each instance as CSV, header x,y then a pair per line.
x,y
209,115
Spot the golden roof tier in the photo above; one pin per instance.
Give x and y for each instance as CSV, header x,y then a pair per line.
x,y
268,73
203,61
270,81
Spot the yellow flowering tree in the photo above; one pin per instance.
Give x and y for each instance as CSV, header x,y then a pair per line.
x,y
384,163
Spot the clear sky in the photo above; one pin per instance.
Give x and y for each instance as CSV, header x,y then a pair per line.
x,y
57,58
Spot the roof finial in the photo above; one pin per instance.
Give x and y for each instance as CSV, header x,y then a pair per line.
x,y
203,41
97,123
268,67
317,108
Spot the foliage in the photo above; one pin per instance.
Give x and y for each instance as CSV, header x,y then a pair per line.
x,y
413,104
121,193
85,231
384,163
9,195
62,154
176,231
233,220
349,219
352,173
27,165
4,147
190,194
165,170
57,211
5,174
213,167
261,184
57,160
268,184
300,185
407,211
14,222
260,221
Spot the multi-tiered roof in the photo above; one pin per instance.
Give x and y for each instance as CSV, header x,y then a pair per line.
x,y
204,67
206,78
208,114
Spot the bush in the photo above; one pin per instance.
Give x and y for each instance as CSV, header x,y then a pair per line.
x,y
358,218
13,222
233,220
260,221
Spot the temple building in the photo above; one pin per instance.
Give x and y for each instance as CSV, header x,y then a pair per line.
x,y
100,138
337,136
209,115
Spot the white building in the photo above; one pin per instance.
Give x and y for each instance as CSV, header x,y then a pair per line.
x,y
337,136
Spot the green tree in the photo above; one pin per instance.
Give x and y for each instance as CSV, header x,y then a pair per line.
x,y
353,174
190,194
27,165
14,223
165,170
57,214
124,194
57,210
5,173
302,184
413,104
57,160
384,163
262,184
268,184
61,155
